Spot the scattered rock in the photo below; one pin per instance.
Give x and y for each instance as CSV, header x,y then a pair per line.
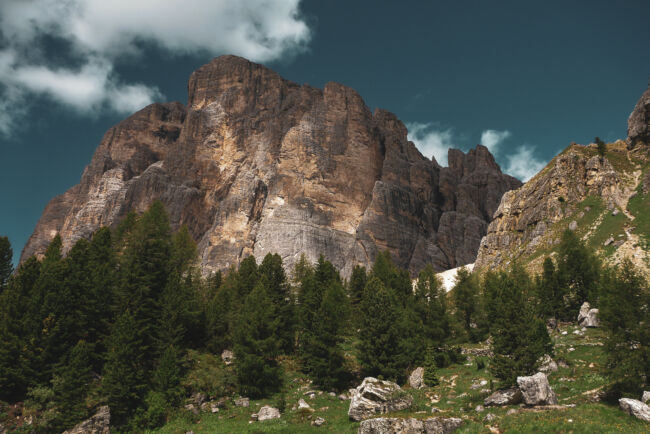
x,y
536,390
416,379
385,425
588,317
490,417
564,332
242,402
214,407
551,323
636,408
319,421
192,408
254,417
332,394
227,356
343,397
478,385
377,396
504,397
573,225
646,397
98,424
547,364
479,408
615,212
267,412
435,410
608,241
302,405
511,412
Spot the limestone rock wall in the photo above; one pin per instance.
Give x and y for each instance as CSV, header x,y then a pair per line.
x,y
256,164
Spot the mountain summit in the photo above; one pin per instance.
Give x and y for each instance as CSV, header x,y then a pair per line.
x,y
256,164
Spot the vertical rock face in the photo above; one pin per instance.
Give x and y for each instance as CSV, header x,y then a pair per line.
x,y
638,125
257,164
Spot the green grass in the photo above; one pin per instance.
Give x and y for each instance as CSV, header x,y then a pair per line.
x,y
454,398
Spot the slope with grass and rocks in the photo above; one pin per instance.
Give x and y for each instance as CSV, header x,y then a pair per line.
x,y
578,384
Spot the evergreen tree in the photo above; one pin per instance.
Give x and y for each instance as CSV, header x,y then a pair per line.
x,y
257,345
430,378
602,147
468,304
356,285
322,354
578,273
274,280
221,314
549,291
125,375
380,333
431,307
70,386
624,312
519,337
6,266
392,276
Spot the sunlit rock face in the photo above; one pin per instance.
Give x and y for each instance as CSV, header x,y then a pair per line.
x,y
256,164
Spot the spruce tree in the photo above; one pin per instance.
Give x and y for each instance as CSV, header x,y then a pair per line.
x,y
519,337
6,265
469,307
257,345
549,291
380,333
431,307
624,312
430,378
70,385
274,280
124,381
356,285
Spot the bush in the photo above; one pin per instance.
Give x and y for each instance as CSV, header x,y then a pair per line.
x,y
480,363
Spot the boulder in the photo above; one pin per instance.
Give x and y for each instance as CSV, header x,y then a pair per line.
x,y
227,356
588,317
302,405
385,425
573,225
536,390
636,408
319,421
547,364
267,412
646,397
489,417
98,424
504,397
375,396
242,402
416,379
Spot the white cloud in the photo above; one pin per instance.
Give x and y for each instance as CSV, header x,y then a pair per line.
x,y
100,32
432,142
523,164
492,139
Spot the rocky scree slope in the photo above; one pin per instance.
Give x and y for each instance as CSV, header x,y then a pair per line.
x,y
606,200
256,164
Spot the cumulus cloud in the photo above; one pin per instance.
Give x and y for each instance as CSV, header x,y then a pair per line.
x,y
492,139
99,33
433,142
523,163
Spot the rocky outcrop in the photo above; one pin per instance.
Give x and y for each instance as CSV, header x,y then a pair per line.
x,y
98,424
375,396
435,425
504,397
635,408
521,223
536,390
638,124
256,164
588,317
416,379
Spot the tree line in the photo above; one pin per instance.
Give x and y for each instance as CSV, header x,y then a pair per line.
x,y
112,321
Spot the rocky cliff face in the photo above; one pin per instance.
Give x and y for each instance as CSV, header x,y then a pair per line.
x,y
581,191
257,164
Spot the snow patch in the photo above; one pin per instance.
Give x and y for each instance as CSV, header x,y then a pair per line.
x,y
448,277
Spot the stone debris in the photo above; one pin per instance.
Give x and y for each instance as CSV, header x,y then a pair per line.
x,y
384,425
98,424
636,408
375,396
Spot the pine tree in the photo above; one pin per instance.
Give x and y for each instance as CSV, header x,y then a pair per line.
x,y
602,147
6,266
274,280
549,291
380,333
432,307
519,337
430,378
357,283
578,273
221,314
70,385
323,355
257,345
624,312
468,304
125,376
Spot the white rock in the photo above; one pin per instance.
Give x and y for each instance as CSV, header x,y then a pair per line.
x,y
536,390
242,402
504,397
227,356
319,421
385,425
377,396
267,412
646,397
302,405
416,379
547,364
636,408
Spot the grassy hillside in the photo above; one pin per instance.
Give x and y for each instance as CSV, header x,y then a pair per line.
x,y
575,384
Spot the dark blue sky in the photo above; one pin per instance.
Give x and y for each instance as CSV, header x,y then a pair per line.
x,y
540,74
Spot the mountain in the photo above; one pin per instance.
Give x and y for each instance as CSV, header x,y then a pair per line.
x,y
256,164
606,200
